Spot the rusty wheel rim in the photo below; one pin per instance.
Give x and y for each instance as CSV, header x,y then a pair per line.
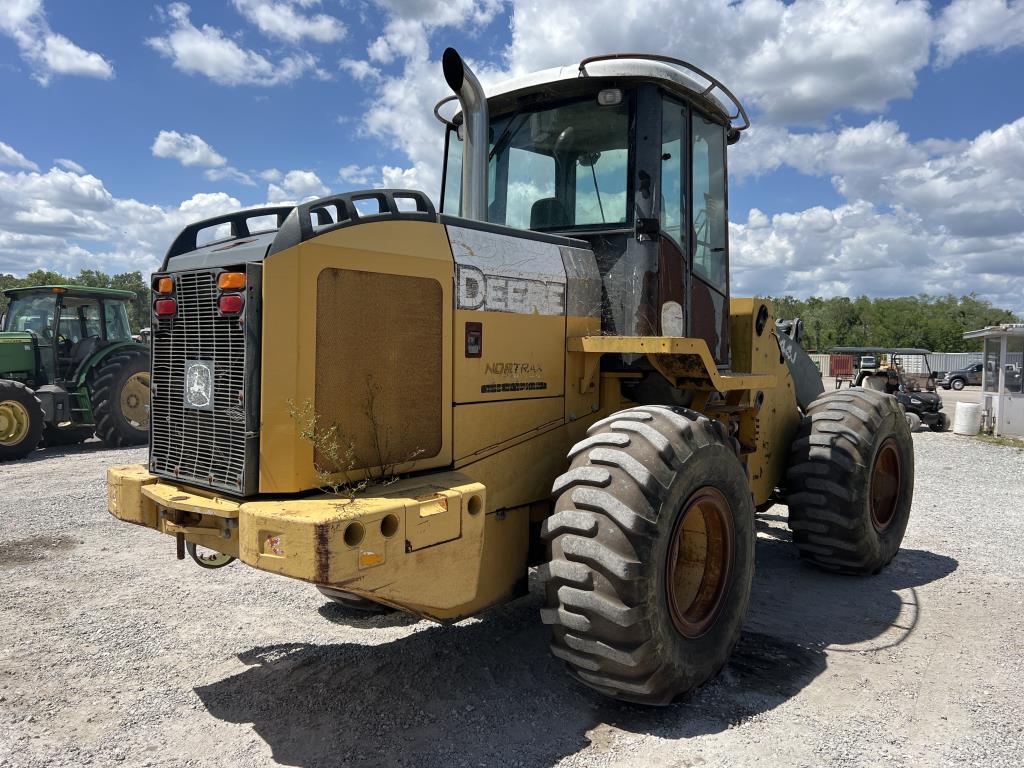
x,y
700,562
135,400
14,422
886,482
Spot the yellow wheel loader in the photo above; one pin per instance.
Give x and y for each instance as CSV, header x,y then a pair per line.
x,y
410,409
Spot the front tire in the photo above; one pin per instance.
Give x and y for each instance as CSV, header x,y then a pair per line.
x,y
120,399
651,554
957,384
941,425
851,481
21,420
913,421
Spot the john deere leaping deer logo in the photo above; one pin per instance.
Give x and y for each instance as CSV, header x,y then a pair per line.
x,y
199,385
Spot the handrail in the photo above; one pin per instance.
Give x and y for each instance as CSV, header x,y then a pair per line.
x,y
239,220
715,82
437,112
298,226
295,222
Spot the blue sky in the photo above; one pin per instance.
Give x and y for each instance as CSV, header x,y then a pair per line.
x,y
886,157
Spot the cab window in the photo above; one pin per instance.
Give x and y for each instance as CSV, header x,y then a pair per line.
x,y
710,260
116,314
554,168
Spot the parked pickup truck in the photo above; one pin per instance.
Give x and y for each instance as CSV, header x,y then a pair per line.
x,y
962,377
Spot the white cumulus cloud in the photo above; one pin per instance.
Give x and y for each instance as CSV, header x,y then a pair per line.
x,y
281,20
188,149
355,174
967,25
47,52
296,186
12,158
66,221
207,51
69,165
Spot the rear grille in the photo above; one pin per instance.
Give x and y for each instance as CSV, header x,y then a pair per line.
x,y
200,447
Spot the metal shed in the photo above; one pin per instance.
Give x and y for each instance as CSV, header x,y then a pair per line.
x,y
1002,385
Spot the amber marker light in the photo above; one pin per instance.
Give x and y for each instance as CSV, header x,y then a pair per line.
x,y
164,285
231,281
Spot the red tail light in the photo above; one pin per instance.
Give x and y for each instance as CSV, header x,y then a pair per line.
x,y
165,307
231,303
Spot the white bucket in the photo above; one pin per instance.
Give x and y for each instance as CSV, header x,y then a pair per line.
x,y
968,419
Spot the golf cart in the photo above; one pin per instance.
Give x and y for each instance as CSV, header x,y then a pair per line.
x,y
904,373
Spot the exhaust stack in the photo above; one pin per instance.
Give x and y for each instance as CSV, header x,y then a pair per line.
x,y
463,82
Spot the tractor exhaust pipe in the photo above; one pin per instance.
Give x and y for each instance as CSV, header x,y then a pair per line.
x,y
463,82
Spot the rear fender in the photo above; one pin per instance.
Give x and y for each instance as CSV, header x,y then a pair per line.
x,y
99,356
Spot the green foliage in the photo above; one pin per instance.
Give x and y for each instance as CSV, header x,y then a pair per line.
x,y
936,323
138,308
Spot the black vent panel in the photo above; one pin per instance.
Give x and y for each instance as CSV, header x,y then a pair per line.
x,y
199,437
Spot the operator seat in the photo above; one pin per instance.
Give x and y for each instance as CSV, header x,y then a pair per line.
x,y
547,213
82,350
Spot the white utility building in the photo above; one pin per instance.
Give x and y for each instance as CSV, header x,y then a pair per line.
x,y
1002,383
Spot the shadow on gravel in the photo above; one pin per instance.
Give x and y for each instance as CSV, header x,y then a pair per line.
x,y
488,692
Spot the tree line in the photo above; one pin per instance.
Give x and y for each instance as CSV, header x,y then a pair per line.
x,y
138,308
936,323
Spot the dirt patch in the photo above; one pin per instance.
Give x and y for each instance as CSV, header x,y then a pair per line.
x,y
35,548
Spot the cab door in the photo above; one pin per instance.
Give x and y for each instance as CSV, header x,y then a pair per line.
x,y
709,249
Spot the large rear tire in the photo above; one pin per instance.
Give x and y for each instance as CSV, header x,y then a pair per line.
x,y
851,481
21,420
651,554
120,399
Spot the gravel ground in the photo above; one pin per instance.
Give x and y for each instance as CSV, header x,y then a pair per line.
x,y
116,654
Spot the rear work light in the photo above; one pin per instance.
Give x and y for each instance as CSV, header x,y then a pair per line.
x,y
165,307
231,281
231,304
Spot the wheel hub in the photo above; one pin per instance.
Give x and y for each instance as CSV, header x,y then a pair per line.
x,y
14,422
135,400
886,482
700,561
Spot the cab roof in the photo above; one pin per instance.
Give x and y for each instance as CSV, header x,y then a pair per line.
x,y
675,75
73,290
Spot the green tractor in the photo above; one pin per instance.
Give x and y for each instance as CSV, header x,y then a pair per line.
x,y
69,368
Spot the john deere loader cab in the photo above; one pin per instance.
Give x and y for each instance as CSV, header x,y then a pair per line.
x,y
628,154
410,409
69,368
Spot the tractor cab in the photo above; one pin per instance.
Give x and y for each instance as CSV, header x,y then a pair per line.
x,y
68,324
625,152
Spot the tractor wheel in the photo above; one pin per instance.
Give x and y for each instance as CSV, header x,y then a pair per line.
x,y
651,554
913,421
941,425
851,481
957,384
21,420
54,436
120,399
355,602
